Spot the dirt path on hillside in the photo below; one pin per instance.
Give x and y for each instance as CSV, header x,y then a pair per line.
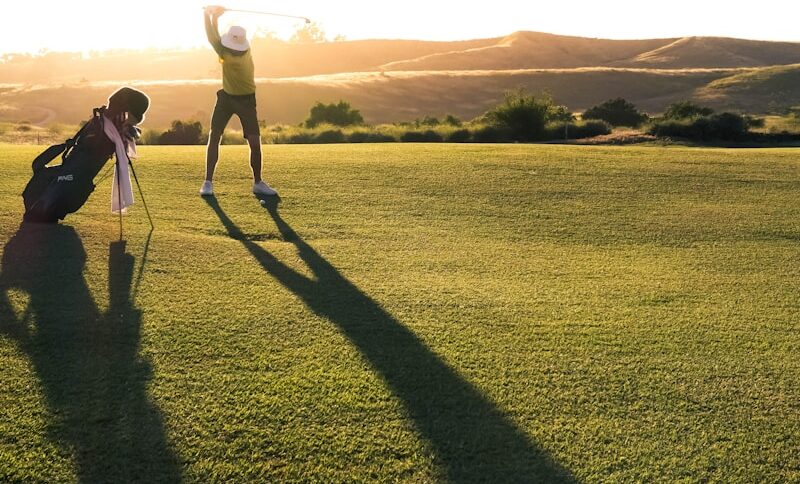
x,y
48,116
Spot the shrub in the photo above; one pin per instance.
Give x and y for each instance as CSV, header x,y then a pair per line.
x,y
459,136
727,126
669,128
560,113
309,33
717,127
230,138
428,136
522,115
585,129
150,137
182,133
369,137
24,127
330,136
452,120
301,139
686,109
56,129
776,138
754,122
340,114
429,121
492,134
589,129
617,112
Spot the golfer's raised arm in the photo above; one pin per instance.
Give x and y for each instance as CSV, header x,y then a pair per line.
x,y
211,15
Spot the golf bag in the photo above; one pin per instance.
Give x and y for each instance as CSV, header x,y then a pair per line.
x,y
55,191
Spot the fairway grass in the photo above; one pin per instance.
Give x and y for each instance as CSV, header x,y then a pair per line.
x,y
410,313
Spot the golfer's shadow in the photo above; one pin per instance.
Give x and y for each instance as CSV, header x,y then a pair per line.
x,y
471,437
86,360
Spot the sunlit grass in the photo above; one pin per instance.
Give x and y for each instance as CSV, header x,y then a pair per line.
x,y
411,313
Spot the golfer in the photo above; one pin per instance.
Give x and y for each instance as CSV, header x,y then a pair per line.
x,y
238,96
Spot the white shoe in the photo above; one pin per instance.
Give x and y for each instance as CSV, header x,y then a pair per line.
x,y
207,190
262,188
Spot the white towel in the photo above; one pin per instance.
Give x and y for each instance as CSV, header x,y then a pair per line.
x,y
121,189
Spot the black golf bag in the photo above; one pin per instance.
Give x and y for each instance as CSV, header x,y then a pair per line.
x,y
55,191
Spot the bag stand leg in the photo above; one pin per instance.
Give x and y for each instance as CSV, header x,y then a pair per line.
x,y
141,195
119,199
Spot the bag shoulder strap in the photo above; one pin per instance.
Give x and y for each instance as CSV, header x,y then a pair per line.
x,y
70,143
47,156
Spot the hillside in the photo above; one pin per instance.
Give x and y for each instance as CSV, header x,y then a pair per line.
x,y
521,50
693,52
274,59
532,50
773,86
396,96
400,80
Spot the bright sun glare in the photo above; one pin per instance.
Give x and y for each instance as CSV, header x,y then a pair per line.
x,y
100,25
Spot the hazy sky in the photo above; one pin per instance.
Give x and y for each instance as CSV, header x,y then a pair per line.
x,y
28,26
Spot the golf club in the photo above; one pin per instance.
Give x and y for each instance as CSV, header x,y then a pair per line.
x,y
256,12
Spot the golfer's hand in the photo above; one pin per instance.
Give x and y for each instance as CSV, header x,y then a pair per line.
x,y
215,10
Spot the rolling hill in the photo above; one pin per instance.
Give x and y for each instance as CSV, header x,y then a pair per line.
x,y
521,50
382,98
398,80
532,50
693,52
773,86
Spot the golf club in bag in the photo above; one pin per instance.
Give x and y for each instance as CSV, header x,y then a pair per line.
x,y
53,192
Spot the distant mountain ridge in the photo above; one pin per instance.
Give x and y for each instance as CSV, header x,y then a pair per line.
x,y
520,50
534,50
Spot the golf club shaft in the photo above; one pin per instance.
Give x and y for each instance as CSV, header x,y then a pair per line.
x,y
256,12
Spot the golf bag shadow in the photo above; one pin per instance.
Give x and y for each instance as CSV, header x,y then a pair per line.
x,y
55,191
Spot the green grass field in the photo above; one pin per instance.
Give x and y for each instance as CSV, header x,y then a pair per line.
x,y
411,313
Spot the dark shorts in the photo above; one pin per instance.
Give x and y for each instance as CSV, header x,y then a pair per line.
x,y
242,106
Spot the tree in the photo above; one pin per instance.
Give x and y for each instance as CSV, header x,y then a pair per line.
x,y
182,133
617,112
428,121
452,120
522,114
311,33
686,109
560,113
340,114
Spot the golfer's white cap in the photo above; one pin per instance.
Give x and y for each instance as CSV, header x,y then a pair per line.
x,y
236,39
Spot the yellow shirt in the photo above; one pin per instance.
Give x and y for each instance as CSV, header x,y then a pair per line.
x,y
238,71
